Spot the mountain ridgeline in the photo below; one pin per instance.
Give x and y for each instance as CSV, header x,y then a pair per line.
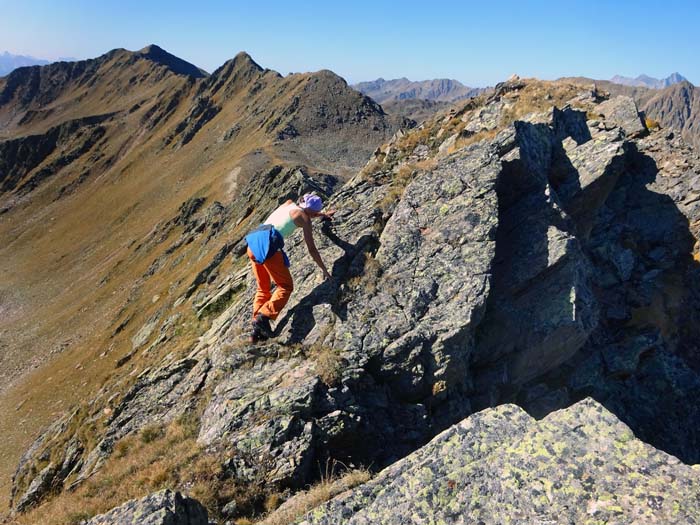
x,y
417,100
510,332
649,82
440,90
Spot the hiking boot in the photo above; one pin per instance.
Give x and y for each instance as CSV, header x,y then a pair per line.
x,y
261,326
255,337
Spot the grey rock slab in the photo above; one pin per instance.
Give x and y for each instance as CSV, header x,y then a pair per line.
x,y
501,466
586,173
265,411
436,253
541,308
622,111
38,488
160,508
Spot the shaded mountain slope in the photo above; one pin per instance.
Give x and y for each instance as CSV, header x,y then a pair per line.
x,y
537,246
677,107
419,110
123,183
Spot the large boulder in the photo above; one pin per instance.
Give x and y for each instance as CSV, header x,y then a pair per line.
x,y
579,465
623,112
160,508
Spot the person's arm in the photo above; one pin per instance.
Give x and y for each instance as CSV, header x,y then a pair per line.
x,y
313,251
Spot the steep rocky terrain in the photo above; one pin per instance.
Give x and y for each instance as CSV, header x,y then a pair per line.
x,y
537,246
675,107
125,182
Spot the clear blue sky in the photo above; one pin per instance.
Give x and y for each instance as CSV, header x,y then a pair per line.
x,y
478,43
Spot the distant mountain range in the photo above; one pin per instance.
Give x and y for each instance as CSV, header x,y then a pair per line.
x,y
649,82
10,62
436,90
674,107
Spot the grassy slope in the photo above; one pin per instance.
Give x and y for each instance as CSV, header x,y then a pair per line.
x,y
70,270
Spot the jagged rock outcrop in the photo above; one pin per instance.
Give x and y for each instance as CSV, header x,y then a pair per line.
x,y
579,465
549,261
675,107
161,508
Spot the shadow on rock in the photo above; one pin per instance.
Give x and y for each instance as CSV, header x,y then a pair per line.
x,y
350,264
628,252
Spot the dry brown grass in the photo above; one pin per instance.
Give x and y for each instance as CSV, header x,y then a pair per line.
x,y
412,139
651,124
537,96
404,175
463,142
323,491
368,280
328,364
169,458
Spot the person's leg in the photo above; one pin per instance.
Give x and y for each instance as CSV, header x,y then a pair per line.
x,y
263,294
283,279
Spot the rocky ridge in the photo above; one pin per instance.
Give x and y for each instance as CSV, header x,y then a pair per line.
x,y
537,246
10,62
677,107
577,465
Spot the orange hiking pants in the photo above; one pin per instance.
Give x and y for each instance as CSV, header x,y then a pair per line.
x,y
267,303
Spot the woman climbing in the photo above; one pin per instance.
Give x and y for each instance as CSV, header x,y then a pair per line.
x,y
270,263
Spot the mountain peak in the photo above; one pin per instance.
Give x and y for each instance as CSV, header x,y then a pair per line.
x,y
242,61
175,64
151,48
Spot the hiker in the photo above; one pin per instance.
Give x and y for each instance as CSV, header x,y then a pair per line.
x,y
265,250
